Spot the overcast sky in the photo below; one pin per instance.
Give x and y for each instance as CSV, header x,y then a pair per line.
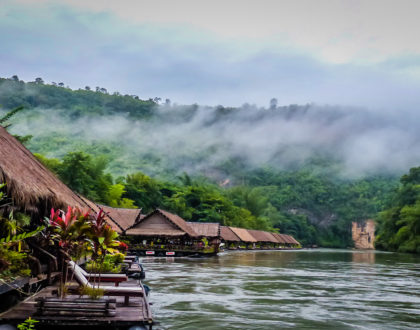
x,y
363,53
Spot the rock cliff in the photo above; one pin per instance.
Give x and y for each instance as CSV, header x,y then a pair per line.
x,y
363,234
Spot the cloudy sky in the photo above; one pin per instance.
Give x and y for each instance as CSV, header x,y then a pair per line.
x,y
363,53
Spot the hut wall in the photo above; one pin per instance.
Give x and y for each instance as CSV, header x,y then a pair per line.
x,y
156,222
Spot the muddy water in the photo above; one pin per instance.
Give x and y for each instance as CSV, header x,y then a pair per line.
x,y
308,289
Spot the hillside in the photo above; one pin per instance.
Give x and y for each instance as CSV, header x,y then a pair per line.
x,y
307,170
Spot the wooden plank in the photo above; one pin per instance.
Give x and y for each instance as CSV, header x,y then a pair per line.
x,y
137,312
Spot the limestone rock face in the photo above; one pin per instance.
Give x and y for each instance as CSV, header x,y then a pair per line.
x,y
363,234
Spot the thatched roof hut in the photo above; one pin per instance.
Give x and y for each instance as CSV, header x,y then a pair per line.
x,y
162,223
206,229
228,235
244,235
32,188
263,236
125,218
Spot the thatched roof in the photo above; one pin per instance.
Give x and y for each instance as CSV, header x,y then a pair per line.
x,y
279,238
227,234
31,186
243,234
179,222
287,239
206,229
262,236
257,234
155,232
171,225
126,218
271,237
284,238
291,240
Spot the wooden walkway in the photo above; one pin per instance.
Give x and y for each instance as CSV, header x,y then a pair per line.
x,y
136,313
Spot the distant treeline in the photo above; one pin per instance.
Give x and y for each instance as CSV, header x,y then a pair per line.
x,y
95,101
145,164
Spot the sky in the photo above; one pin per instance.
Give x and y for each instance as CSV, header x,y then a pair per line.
x,y
357,53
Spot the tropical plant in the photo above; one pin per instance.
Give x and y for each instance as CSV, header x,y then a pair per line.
x,y
28,324
12,260
70,230
104,241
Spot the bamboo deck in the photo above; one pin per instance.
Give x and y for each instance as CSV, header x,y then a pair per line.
x,y
136,313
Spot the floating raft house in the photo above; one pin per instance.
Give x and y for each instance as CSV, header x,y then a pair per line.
x,y
231,240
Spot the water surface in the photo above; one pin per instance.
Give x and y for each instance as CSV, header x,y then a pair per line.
x,y
307,289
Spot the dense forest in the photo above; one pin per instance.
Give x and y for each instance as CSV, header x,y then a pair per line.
x,y
261,168
400,221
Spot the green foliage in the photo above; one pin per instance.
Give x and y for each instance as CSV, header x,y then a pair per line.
x,y
53,164
12,263
93,293
144,191
28,324
85,175
110,264
16,93
4,119
22,236
399,228
115,199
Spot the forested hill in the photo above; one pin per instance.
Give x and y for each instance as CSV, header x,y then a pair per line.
x,y
306,170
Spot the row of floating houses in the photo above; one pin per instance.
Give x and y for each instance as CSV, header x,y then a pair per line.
x,y
161,233
33,189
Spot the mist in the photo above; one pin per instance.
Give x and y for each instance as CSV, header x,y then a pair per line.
x,y
201,140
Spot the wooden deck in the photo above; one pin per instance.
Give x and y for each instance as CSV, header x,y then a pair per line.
x,y
136,313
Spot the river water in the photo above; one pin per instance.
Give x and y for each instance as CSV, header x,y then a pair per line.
x,y
307,289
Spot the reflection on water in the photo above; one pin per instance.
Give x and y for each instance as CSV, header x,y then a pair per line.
x,y
308,289
367,257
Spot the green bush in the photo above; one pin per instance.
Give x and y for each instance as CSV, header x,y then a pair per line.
x,y
16,264
111,264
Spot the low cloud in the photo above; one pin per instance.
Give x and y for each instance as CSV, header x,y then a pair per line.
x,y
201,139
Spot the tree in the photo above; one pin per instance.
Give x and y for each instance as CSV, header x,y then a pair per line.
x,y
143,190
39,81
115,199
273,104
4,121
85,175
399,224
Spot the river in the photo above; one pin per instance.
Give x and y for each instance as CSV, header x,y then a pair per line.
x,y
307,289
